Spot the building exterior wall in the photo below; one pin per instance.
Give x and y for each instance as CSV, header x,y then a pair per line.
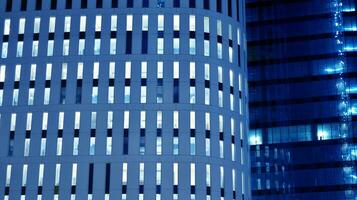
x,y
136,99
300,146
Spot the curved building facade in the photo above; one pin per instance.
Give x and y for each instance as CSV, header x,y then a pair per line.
x,y
134,99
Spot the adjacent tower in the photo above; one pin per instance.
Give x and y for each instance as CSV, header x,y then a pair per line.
x,y
123,99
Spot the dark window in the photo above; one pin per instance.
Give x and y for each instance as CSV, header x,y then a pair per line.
x,y
53,4
145,3
79,91
84,3
114,3
144,42
107,178
176,3
128,42
126,142
38,5
192,4
99,4
68,4
130,3
8,5
11,143
230,8
206,4
63,95
90,179
23,5
176,90
219,5
238,10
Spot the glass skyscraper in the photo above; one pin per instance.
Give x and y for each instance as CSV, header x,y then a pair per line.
x,y
303,103
123,99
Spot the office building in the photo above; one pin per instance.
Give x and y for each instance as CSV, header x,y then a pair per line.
x,y
123,99
302,78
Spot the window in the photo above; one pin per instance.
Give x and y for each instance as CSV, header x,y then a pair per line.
x,y
176,45
141,173
113,23
129,23
52,24
7,23
34,49
176,22
125,174
36,26
22,25
19,51
82,26
98,23
160,46
8,175
160,22
41,169
67,24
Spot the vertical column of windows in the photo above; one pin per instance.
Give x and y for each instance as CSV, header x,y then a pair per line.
x,y
176,34
207,84
143,83
36,36
79,83
5,38
124,181
144,33
175,178
28,134
208,182
7,181
129,34
242,143
160,34
95,83
63,84
233,146
192,82
142,132
12,135
111,83
234,184
90,181
231,90
93,127
60,133
221,136
192,133
82,35
20,38
221,181
24,181
51,36
127,82
66,35
47,93
160,82
126,133
41,171
176,133
31,94
15,94
2,81
240,94
44,134
230,42
207,134
158,181
192,33
57,182
141,180
220,86
238,47
97,34
159,133
193,181
206,32
77,118
107,181
109,133
113,34
176,76
219,39
74,181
